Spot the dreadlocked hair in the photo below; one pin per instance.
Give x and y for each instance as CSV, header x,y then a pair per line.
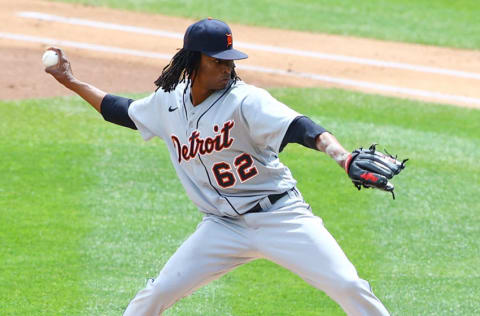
x,y
182,65
180,68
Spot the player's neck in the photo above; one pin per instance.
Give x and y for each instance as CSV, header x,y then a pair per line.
x,y
199,94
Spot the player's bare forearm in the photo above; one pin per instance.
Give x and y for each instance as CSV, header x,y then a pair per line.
x,y
89,93
62,72
327,143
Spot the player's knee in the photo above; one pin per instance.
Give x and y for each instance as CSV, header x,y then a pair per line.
x,y
352,286
157,293
160,291
167,291
151,300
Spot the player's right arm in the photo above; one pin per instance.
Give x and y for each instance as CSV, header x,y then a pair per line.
x,y
113,108
62,72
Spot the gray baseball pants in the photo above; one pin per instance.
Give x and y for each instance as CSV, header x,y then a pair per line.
x,y
286,233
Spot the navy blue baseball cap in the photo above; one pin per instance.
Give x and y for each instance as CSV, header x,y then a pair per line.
x,y
212,38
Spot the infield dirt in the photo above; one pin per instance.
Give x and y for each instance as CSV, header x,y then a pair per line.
x,y
23,76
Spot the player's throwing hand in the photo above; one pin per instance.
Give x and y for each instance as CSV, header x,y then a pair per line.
x,y
62,71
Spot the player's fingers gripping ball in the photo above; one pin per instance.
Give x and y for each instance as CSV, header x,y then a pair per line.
x,y
50,58
370,168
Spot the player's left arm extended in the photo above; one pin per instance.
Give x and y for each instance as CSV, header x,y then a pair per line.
x,y
366,168
327,143
306,132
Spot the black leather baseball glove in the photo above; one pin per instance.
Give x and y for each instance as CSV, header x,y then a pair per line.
x,y
370,168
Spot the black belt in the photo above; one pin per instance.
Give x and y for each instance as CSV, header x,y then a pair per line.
x,y
272,197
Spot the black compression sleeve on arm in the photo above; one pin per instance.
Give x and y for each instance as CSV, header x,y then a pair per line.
x,y
115,109
302,131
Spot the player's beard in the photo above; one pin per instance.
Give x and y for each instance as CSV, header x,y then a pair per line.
x,y
224,82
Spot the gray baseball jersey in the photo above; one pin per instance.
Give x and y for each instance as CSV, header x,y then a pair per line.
x,y
224,150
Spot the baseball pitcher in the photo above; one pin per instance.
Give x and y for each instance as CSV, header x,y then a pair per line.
x,y
224,138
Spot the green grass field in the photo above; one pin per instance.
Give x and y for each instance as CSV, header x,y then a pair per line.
x,y
439,22
89,211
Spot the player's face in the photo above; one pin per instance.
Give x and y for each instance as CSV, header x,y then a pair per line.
x,y
213,73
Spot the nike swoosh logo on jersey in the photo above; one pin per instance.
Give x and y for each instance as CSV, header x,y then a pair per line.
x,y
170,109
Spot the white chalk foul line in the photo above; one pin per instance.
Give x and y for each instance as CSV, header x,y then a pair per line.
x,y
258,47
94,47
323,78
367,85
97,24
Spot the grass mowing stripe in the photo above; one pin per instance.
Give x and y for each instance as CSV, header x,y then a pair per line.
x,y
44,219
440,22
377,111
127,212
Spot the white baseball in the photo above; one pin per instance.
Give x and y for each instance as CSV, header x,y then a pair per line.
x,y
49,58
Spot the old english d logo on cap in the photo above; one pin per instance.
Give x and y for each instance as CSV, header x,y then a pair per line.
x,y
212,38
229,39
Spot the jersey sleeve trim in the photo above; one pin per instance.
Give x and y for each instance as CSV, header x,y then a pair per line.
x,y
303,131
114,109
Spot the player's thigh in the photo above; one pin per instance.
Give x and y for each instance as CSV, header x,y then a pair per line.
x,y
297,240
216,247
